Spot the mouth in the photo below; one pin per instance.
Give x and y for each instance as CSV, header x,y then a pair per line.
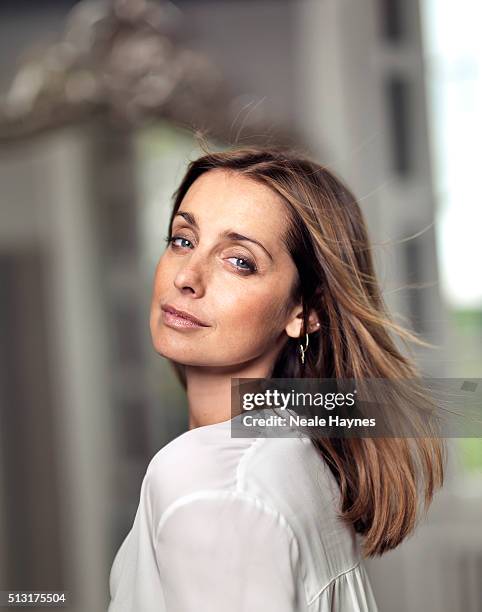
x,y
173,317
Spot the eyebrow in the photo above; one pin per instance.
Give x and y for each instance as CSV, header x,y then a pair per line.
x,y
190,218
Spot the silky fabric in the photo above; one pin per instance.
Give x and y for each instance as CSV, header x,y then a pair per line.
x,y
228,524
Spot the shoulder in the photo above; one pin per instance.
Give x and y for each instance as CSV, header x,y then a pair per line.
x,y
285,474
209,458
206,479
205,458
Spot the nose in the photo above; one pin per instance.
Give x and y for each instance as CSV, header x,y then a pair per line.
x,y
190,278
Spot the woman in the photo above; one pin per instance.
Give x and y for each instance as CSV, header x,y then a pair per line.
x,y
267,250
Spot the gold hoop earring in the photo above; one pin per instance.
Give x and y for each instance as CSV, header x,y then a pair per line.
x,y
303,349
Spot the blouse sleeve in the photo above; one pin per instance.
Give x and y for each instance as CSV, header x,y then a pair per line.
x,y
218,553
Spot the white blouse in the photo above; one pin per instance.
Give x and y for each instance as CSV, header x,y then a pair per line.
x,y
239,525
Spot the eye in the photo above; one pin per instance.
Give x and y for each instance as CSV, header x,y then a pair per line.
x,y
243,264
246,266
172,241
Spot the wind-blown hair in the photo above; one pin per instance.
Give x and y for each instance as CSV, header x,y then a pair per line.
x,y
382,480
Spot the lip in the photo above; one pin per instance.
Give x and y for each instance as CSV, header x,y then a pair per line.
x,y
180,318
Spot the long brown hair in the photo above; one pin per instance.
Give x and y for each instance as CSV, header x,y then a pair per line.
x,y
381,480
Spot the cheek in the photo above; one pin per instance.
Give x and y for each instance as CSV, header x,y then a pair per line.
x,y
159,289
163,281
161,277
251,316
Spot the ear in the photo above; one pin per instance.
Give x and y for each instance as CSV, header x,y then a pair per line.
x,y
295,322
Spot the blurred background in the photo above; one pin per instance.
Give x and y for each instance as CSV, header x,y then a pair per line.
x,y
98,109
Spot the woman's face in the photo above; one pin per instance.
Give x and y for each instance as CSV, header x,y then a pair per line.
x,y
227,266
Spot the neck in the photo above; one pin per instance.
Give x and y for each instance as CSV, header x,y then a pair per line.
x,y
209,389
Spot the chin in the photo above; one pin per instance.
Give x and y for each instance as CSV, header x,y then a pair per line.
x,y
166,347
180,349
185,355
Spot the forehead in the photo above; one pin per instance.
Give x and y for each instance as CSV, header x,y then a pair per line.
x,y
228,200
